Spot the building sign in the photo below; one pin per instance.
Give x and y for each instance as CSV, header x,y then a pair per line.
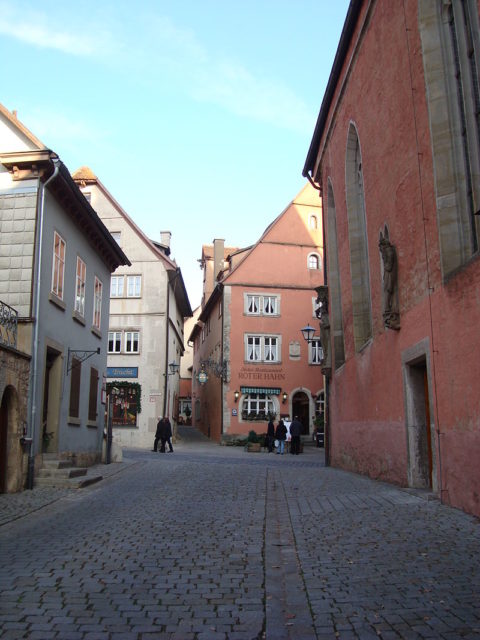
x,y
267,390
202,377
234,412
122,372
262,375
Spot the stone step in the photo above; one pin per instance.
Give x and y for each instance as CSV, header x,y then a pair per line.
x,y
68,472
65,482
55,463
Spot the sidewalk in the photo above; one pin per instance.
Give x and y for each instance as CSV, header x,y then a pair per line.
x,y
18,505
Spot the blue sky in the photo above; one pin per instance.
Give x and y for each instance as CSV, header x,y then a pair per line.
x,y
196,115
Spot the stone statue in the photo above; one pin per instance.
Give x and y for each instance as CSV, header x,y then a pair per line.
x,y
391,316
322,314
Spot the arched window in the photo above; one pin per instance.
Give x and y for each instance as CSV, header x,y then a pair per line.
x,y
312,222
334,284
450,38
357,236
314,261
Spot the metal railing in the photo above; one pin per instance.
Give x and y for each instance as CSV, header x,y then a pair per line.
x,y
8,325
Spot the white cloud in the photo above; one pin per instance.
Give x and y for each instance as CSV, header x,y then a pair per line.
x,y
34,28
150,47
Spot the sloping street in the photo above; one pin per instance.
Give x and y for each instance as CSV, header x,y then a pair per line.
x,y
212,543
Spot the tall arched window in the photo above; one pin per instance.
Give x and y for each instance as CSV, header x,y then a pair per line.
x,y
450,38
334,284
312,222
357,235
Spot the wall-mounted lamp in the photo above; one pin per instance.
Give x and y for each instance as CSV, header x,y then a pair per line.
x,y
284,397
235,395
308,333
174,367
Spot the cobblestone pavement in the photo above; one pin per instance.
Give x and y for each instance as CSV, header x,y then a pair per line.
x,y
213,543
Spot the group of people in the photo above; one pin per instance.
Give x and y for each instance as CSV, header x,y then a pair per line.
x,y
281,434
164,435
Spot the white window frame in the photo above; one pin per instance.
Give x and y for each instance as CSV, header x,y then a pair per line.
x,y
315,352
313,222
117,340
129,341
58,265
256,402
80,280
97,303
262,348
117,285
255,304
134,283
318,263
252,304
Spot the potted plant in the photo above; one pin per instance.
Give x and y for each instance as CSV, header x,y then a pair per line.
x,y
253,442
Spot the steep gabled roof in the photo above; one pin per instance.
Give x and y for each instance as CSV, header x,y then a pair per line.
x,y
12,118
263,237
85,176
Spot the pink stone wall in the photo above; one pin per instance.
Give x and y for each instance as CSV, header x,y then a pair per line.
x,y
382,91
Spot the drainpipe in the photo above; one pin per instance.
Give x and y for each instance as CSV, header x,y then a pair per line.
x,y
326,381
167,335
32,406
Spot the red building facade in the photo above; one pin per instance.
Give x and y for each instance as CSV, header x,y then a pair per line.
x,y
248,340
396,154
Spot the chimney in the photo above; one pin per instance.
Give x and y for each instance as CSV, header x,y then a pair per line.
x,y
165,237
218,256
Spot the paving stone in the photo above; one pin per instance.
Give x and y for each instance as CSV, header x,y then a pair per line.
x,y
239,546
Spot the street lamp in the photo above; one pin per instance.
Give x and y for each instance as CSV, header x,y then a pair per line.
x,y
174,367
308,333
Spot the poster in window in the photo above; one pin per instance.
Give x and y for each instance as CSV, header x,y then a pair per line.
x,y
125,408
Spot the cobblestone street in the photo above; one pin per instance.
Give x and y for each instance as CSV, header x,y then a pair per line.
x,y
215,543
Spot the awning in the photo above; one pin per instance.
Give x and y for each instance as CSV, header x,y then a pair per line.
x,y
272,391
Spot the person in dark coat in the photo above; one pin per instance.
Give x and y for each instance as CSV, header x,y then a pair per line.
x,y
295,431
270,435
281,436
167,434
158,434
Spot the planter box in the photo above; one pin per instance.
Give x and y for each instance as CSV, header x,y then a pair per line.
x,y
253,447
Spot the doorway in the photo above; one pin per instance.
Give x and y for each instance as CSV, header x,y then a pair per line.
x,y
51,400
301,408
420,431
3,442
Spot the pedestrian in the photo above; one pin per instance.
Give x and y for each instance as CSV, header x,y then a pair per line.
x,y
280,435
295,431
167,435
270,435
158,434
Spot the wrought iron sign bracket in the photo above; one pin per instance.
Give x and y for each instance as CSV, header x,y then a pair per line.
x,y
81,355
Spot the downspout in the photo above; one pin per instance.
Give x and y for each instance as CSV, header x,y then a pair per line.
x,y
167,335
222,381
32,406
326,380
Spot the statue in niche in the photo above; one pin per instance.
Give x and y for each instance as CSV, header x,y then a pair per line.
x,y
321,312
391,316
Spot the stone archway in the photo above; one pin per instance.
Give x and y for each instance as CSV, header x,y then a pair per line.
x,y
3,442
10,449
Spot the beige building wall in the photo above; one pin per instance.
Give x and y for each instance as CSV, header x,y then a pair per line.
x,y
145,314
